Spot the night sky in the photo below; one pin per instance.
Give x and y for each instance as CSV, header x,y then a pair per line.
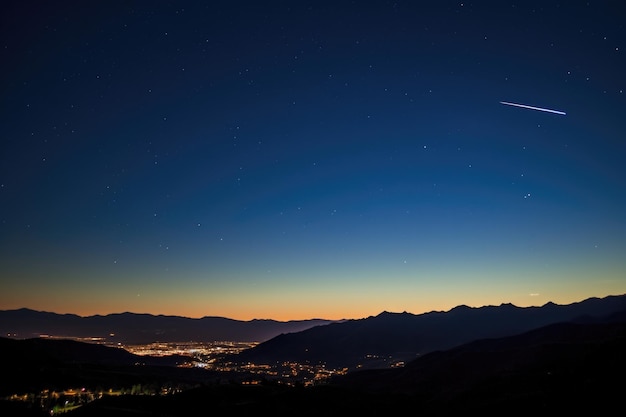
x,y
295,160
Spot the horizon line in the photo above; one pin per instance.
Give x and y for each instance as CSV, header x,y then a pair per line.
x,y
309,319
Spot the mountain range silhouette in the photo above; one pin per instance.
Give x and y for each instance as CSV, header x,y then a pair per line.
x,y
573,364
389,338
133,328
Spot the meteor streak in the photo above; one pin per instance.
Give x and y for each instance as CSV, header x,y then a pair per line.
x,y
524,106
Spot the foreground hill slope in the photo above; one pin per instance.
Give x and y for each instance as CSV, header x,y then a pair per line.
x,y
32,365
393,337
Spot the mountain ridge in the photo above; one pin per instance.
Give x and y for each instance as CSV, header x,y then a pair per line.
x,y
137,328
389,338
122,313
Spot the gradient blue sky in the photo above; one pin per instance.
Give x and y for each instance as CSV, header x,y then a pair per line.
x,y
294,160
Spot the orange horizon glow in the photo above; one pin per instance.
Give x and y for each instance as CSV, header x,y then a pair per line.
x,y
532,300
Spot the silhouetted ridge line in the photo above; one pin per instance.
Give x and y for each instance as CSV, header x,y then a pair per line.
x,y
390,338
130,328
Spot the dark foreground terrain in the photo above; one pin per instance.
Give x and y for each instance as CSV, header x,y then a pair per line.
x,y
557,369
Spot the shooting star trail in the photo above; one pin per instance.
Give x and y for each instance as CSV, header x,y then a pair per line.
x,y
524,106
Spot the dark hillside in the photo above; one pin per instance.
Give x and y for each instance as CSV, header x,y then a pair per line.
x,y
32,365
563,366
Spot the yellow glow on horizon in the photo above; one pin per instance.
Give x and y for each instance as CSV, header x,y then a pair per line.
x,y
334,297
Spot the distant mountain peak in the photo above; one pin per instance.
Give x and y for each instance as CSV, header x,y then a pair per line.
x,y
508,305
392,314
461,307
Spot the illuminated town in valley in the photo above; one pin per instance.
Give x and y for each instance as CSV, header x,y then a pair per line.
x,y
210,356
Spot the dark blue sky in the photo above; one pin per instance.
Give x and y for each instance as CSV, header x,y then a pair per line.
x,y
292,160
